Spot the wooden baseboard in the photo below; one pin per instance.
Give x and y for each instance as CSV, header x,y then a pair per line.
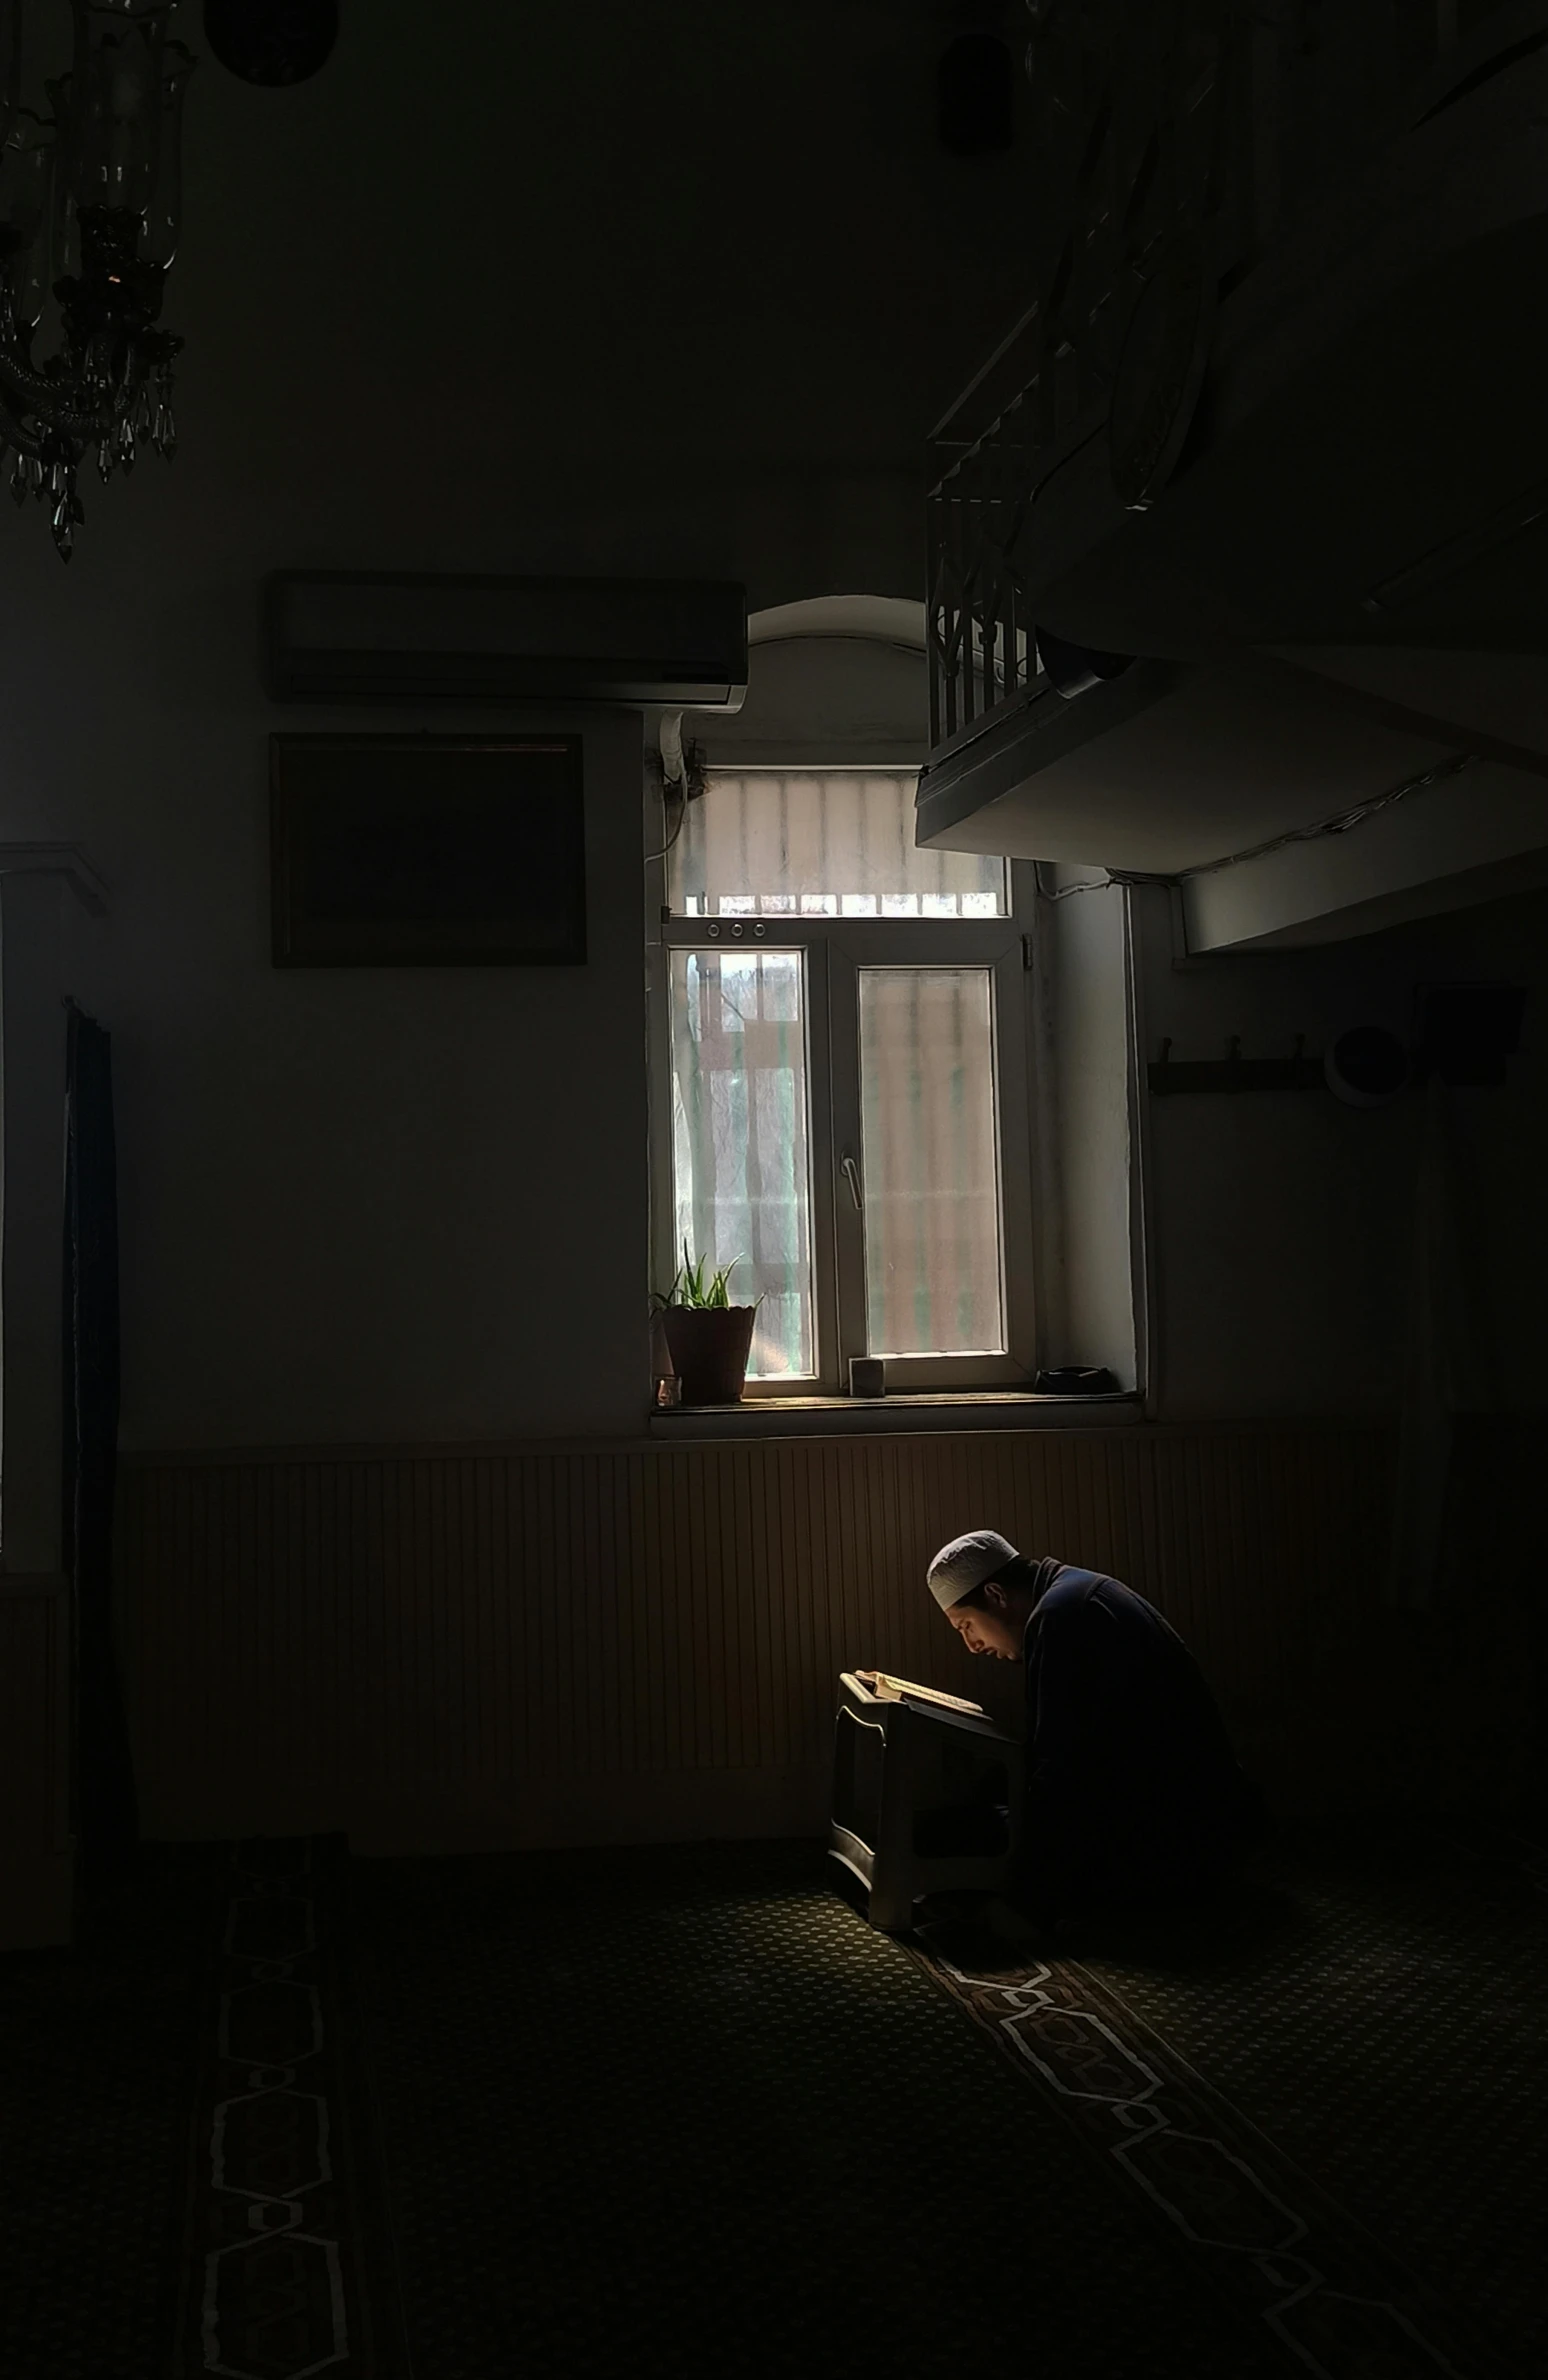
x,y
37,1898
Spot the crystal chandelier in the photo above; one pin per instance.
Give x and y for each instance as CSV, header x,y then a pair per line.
x,y
89,205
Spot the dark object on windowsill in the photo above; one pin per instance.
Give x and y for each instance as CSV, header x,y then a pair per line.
x,y
1464,1032
1076,1380
272,41
867,1376
709,1346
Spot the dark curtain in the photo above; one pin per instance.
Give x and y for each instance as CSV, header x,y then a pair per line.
x,y
106,1818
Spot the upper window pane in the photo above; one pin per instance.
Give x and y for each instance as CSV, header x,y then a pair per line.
x,y
821,843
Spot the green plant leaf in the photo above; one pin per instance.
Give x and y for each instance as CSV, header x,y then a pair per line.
x,y
695,1285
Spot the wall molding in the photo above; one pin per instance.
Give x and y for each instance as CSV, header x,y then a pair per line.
x,y
58,859
569,1442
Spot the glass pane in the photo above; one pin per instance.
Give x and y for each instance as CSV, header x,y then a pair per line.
x,y
740,1164
816,843
934,1277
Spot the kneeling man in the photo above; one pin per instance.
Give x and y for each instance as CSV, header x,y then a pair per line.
x,y
1132,1791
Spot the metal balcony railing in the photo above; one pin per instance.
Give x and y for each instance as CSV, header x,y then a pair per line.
x,y
1192,131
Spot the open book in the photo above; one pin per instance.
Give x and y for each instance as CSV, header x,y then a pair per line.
x,y
890,1689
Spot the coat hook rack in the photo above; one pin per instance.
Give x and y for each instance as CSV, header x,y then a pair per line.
x,y
1233,1072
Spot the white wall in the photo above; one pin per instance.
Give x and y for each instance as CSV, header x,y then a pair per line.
x,y
363,1203
529,290
1090,1300
1281,1222
573,291
813,701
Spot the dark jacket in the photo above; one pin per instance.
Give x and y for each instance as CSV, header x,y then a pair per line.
x,y
1132,1789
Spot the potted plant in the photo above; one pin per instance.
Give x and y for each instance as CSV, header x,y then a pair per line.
x,y
708,1338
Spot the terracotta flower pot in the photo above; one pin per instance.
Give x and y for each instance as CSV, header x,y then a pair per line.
x,y
709,1346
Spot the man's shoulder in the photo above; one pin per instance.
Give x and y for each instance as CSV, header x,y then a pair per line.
x,y
1073,1594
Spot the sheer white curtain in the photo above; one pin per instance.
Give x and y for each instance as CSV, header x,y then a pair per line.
x,y
933,1262
741,1166
808,843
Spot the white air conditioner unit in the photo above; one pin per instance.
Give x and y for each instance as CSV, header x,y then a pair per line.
x,y
346,636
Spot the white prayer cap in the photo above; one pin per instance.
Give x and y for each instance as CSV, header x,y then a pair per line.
x,y
965,1564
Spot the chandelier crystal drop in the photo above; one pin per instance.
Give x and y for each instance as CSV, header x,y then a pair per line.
x,y
90,198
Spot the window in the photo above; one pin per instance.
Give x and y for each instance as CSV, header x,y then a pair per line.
x,y
841,1074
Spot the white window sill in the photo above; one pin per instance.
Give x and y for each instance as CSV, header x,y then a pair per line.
x,y
955,1409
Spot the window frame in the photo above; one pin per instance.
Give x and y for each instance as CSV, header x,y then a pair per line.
x,y
836,948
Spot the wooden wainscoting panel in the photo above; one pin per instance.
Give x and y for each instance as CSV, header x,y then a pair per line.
x,y
437,1647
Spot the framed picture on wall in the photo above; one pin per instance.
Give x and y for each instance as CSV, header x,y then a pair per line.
x,y
427,851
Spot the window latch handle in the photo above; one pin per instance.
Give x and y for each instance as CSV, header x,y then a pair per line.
x,y
851,1173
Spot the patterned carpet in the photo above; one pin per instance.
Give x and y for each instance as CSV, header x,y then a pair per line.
x,y
189,2179
281,2113
1322,2087
97,2076
1390,2037
685,2112
285,2264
